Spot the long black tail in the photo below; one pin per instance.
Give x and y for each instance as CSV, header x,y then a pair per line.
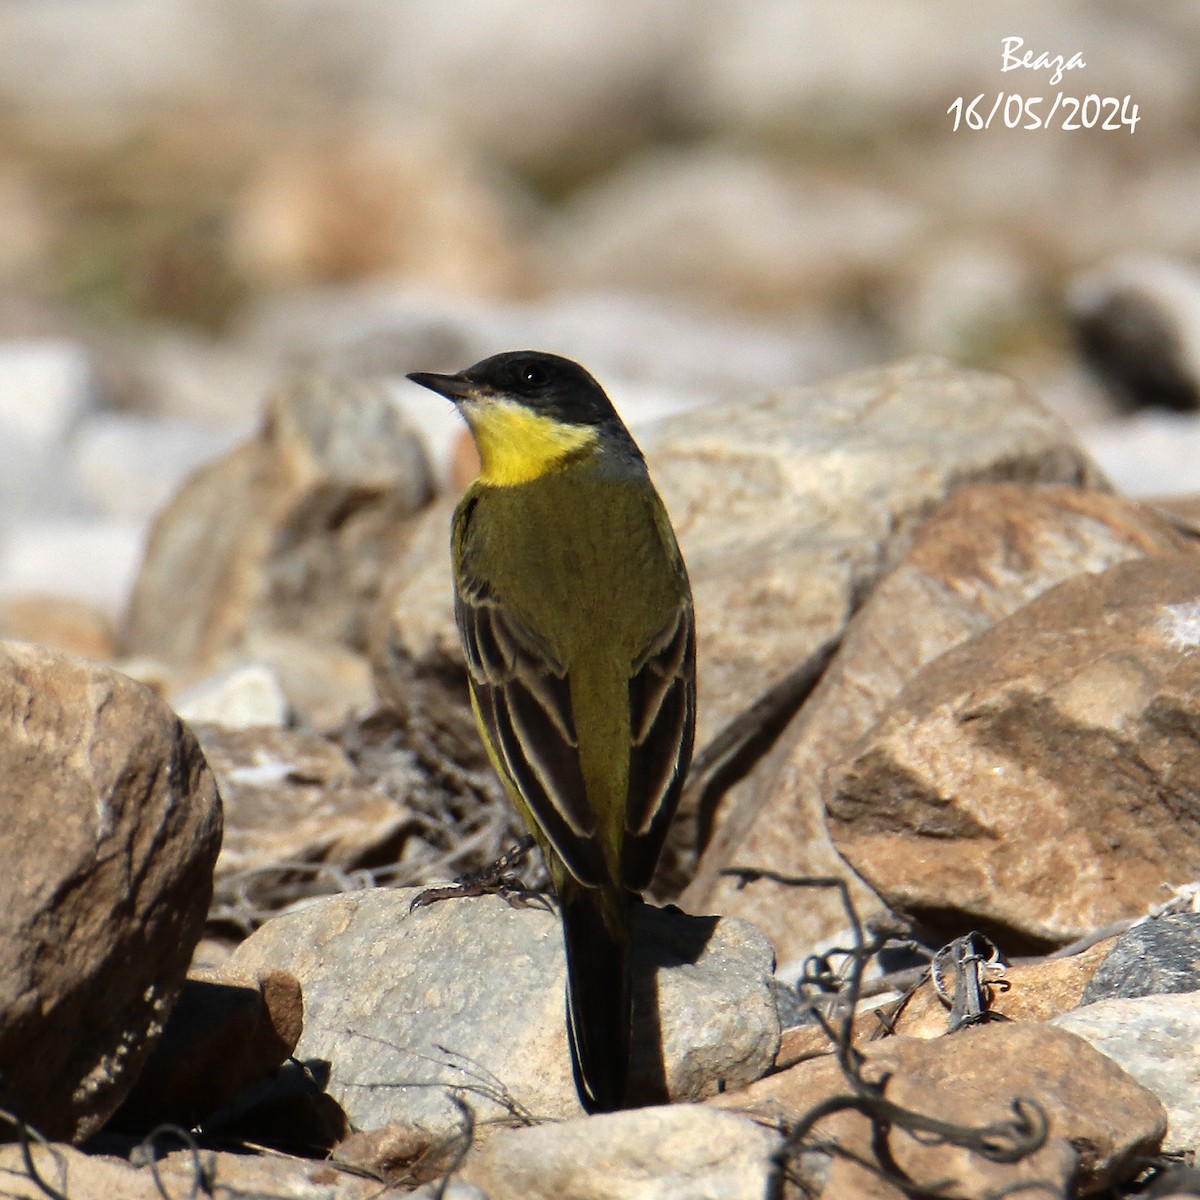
x,y
599,1003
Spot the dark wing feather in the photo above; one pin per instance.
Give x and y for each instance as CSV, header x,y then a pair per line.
x,y
662,710
524,702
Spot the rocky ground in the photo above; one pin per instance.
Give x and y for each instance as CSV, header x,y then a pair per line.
x,y
925,408
942,661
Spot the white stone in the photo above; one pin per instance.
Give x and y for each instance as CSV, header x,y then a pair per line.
x,y
1148,454
245,696
36,480
130,466
92,559
45,386
1181,625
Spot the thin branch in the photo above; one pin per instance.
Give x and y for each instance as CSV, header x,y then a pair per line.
x,y
1005,1141
25,1133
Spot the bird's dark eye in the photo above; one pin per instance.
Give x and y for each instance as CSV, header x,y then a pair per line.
x,y
533,375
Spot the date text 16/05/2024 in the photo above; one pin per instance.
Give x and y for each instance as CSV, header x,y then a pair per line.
x,y
1031,112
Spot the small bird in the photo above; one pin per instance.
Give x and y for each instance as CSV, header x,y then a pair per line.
x,y
575,614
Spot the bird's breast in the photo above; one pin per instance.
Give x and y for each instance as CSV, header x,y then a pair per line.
x,y
582,560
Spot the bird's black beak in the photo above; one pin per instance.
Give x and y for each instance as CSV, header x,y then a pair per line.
x,y
453,387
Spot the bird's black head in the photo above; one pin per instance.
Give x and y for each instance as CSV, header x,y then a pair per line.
x,y
548,384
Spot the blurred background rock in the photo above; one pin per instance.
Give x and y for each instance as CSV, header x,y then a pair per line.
x,y
698,198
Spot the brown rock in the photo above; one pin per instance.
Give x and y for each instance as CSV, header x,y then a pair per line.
x,y
290,532
111,831
102,1177
294,797
1100,1121
325,682
226,1032
819,488
662,1153
1038,780
801,1042
59,623
987,551
415,633
788,509
402,1154
1182,511
72,1173
356,207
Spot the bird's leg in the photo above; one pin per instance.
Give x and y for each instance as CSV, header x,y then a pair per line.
x,y
496,879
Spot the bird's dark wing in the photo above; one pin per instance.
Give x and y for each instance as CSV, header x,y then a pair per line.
x,y
524,703
662,710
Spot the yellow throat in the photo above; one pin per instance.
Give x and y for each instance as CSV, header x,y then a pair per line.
x,y
519,446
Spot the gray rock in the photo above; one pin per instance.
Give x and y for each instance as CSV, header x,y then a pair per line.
x,y
685,1152
464,998
1156,956
1137,321
1154,1039
112,826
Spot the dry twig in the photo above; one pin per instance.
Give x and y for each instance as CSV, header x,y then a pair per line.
x,y
1006,1141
